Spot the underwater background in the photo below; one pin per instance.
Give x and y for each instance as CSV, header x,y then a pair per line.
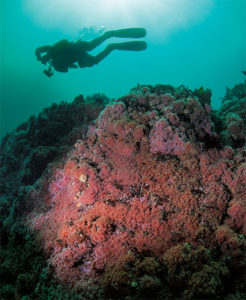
x,y
126,180
195,43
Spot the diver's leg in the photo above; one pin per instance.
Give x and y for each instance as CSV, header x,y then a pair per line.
x,y
130,46
86,60
123,33
98,41
127,46
100,56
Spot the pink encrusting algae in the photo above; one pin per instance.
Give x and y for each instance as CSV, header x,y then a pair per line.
x,y
145,179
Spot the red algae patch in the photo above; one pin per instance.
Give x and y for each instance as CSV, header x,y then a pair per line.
x,y
148,180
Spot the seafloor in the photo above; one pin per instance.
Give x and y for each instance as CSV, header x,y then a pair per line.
x,y
140,198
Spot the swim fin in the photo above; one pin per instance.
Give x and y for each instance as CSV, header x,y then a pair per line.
x,y
130,46
130,33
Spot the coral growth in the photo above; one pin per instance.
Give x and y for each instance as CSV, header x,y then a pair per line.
x,y
194,271
150,177
148,202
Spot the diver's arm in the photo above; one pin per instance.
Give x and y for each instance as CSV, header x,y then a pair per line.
x,y
41,50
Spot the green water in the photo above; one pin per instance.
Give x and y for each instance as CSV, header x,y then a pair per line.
x,y
210,53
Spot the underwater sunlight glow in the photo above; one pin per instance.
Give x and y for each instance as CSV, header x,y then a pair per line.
x,y
161,17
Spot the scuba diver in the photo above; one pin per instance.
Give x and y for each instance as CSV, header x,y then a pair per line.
x,y
64,54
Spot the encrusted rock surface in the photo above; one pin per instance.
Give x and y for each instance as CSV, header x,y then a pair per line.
x,y
149,203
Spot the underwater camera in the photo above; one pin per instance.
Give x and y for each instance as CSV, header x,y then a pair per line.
x,y
48,72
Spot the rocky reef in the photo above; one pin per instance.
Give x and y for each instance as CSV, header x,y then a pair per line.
x,y
232,115
148,202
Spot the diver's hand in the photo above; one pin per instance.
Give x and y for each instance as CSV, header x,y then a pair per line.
x,y
41,50
73,66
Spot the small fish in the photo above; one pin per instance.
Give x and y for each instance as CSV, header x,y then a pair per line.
x,y
244,72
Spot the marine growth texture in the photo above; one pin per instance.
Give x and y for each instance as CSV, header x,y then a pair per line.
x,y
149,197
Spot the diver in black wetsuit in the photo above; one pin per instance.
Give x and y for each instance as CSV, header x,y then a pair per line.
x,y
64,54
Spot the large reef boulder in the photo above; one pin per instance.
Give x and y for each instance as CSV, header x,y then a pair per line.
x,y
147,202
150,187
